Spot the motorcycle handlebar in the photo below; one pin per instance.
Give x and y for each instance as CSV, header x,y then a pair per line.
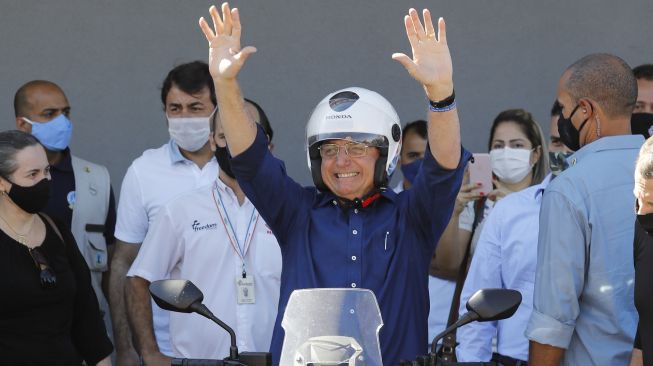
x,y
195,362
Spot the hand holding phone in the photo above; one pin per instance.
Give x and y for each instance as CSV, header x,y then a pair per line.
x,y
480,171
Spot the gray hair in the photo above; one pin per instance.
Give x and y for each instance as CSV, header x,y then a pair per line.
x,y
11,142
644,167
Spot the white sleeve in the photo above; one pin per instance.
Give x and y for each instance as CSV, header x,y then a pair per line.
x,y
485,272
161,251
132,222
466,218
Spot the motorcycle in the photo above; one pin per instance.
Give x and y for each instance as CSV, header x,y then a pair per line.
x,y
329,326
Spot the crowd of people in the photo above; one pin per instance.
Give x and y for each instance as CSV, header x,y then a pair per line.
x,y
214,206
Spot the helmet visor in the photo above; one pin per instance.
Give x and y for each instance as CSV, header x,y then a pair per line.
x,y
369,139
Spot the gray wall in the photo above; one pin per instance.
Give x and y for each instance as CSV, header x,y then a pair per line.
x,y
110,57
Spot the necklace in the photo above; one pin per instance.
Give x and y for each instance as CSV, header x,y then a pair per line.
x,y
22,238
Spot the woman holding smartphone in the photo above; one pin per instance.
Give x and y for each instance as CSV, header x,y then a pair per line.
x,y
506,248
518,159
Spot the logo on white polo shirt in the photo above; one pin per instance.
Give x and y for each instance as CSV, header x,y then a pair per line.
x,y
197,226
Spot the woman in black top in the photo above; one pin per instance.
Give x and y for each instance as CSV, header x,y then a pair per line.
x,y
643,252
49,314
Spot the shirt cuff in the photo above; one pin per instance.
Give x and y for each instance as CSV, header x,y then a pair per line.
x,y
547,330
144,274
246,164
129,238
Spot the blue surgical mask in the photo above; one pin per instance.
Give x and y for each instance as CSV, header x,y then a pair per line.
x,y
54,134
410,170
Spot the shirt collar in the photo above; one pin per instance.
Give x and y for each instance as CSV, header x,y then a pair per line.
x,y
175,154
225,189
66,163
606,143
539,191
328,198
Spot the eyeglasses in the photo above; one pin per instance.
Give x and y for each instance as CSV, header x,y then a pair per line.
x,y
353,149
47,276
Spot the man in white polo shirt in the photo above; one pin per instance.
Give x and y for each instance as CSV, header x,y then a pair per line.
x,y
185,163
214,237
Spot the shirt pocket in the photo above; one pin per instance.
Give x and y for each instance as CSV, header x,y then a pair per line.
x,y
95,251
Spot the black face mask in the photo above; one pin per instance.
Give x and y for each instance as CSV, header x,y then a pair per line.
x,y
31,199
569,135
223,157
646,222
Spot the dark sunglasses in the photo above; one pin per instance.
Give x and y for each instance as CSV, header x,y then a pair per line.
x,y
47,276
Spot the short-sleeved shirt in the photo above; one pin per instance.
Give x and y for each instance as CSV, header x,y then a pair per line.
x,y
385,247
151,181
583,299
192,239
62,197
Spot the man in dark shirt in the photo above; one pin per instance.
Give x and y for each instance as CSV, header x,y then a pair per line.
x,y
81,194
349,230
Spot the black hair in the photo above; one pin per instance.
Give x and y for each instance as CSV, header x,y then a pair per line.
x,y
418,126
644,72
606,79
190,78
264,121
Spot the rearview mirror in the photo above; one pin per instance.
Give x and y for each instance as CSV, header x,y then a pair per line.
x,y
176,295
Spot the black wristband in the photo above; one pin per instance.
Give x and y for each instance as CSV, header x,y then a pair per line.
x,y
444,103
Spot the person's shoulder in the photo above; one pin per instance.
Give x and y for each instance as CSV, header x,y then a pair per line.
x,y
151,159
526,195
77,160
153,155
82,166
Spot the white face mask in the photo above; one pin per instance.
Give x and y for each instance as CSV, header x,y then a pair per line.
x,y
190,133
510,165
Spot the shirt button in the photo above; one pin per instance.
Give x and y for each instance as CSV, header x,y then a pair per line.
x,y
335,203
353,257
353,284
354,231
355,210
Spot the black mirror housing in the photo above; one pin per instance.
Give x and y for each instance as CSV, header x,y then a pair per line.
x,y
494,304
176,295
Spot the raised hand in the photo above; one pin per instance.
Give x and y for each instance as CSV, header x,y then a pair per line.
x,y
431,62
226,58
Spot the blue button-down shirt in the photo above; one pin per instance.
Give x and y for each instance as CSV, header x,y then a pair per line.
x,y
505,257
385,247
583,298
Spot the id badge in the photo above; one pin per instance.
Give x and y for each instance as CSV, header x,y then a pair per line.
x,y
245,290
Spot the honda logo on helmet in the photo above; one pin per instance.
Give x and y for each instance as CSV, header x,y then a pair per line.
x,y
341,101
338,116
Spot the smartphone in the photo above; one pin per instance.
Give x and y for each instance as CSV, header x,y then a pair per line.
x,y
480,171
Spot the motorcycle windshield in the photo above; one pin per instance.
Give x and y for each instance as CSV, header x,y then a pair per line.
x,y
331,327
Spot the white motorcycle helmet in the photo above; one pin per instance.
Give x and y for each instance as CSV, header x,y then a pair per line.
x,y
362,116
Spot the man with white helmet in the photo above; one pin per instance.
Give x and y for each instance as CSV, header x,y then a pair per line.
x,y
350,231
